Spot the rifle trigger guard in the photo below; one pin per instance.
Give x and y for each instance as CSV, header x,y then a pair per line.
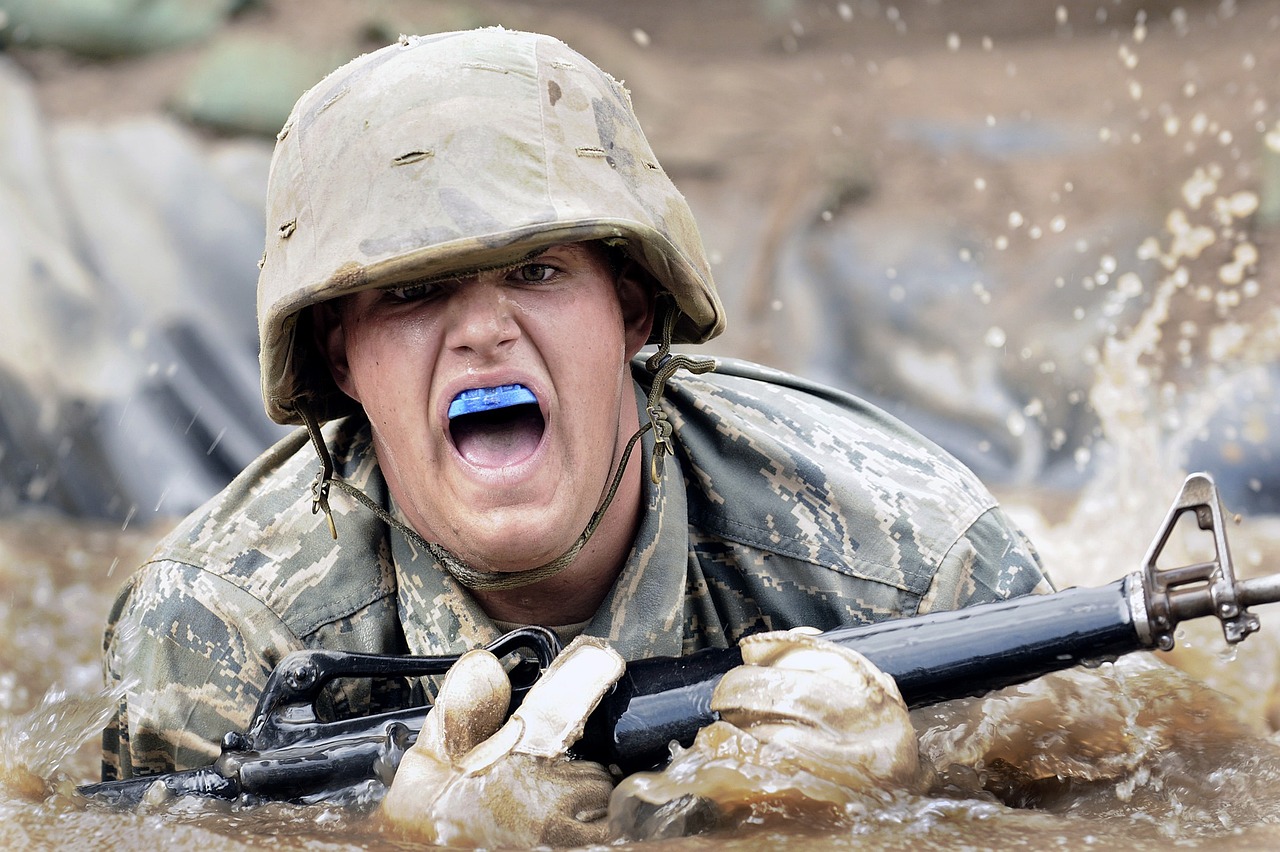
x,y
287,709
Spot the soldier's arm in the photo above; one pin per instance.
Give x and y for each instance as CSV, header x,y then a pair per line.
x,y
194,652
993,560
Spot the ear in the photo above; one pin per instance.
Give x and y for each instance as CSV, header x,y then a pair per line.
x,y
638,300
331,341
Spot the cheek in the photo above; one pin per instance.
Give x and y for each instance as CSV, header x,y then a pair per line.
x,y
374,346
389,364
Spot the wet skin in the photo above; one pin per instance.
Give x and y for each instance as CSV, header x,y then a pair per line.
x,y
511,490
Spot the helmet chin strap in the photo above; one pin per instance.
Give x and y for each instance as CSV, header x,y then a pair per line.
x,y
662,364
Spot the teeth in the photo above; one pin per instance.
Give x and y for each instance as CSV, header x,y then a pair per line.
x,y
488,399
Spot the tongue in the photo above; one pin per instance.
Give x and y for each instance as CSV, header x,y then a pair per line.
x,y
500,438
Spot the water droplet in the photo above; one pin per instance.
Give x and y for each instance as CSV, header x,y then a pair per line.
x,y
640,37
1273,139
1242,204
953,42
995,337
1129,285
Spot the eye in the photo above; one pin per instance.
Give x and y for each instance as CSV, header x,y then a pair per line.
x,y
417,292
535,273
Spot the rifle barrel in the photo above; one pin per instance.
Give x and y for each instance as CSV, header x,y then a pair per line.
x,y
932,658
1259,590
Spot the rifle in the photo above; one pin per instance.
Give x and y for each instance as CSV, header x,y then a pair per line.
x,y
287,753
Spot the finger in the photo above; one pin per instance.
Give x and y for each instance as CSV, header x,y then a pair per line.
x,y
470,707
582,816
803,681
555,710
800,652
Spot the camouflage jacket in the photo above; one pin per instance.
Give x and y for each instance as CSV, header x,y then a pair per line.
x,y
786,503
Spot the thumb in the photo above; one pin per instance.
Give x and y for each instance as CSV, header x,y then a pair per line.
x,y
556,709
471,706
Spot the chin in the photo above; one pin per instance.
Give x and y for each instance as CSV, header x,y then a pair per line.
x,y
511,554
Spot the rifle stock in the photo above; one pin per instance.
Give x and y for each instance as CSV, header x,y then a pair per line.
x,y
287,754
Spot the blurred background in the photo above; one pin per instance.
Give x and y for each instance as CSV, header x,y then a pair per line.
x,y
1039,232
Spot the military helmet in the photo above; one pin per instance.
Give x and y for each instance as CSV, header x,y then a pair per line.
x,y
452,153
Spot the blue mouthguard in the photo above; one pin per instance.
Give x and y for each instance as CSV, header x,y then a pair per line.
x,y
488,399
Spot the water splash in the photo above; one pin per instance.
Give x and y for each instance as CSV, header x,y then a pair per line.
x,y
36,744
1203,340
1136,743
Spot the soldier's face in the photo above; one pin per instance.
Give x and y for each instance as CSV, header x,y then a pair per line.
x,y
499,402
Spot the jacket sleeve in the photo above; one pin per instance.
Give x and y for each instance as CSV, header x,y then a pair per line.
x,y
192,653
993,560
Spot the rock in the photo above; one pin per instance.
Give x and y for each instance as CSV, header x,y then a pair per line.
x,y
111,28
249,84
128,262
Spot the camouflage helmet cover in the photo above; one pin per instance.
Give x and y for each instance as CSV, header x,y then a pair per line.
x,y
451,153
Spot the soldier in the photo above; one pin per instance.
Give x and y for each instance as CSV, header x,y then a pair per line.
x,y
469,241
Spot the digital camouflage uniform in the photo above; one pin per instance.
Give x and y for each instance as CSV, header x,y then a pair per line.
x,y
786,503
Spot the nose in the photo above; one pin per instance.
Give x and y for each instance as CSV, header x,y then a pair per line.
x,y
481,319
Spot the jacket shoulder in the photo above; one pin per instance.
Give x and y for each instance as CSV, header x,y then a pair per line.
x,y
261,535
807,471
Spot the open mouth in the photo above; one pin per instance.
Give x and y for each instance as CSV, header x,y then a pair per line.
x,y
496,427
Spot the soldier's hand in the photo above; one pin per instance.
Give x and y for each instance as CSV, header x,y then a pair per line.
x,y
473,780
805,725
